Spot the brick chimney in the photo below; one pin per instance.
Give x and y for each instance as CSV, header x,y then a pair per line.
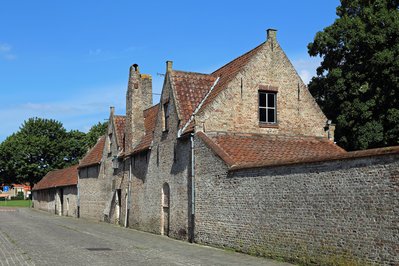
x,y
169,65
271,34
138,98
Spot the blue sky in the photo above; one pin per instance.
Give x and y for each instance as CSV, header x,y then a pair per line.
x,y
69,60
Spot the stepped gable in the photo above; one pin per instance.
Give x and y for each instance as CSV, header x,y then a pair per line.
x,y
59,178
94,155
255,150
190,89
120,122
150,119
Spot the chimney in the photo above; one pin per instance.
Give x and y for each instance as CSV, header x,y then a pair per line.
x,y
271,34
112,110
138,98
169,66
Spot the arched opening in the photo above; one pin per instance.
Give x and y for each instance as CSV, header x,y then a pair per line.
x,y
165,217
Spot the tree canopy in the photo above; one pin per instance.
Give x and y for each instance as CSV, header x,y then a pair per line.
x,y
40,146
95,132
357,83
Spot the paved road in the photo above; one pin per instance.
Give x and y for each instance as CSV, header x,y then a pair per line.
x,y
29,237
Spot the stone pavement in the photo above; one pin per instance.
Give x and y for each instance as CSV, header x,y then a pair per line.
x,y
29,237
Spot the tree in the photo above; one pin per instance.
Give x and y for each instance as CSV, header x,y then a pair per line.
x,y
95,132
39,146
357,83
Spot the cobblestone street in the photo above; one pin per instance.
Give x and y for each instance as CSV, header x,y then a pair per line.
x,y
29,237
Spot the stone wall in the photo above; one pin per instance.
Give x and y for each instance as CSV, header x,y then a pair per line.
x,y
50,200
168,162
93,191
325,213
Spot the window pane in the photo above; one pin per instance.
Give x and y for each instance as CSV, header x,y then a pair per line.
x,y
262,99
271,115
262,114
271,100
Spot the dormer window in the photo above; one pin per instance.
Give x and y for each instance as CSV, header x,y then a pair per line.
x,y
268,107
166,116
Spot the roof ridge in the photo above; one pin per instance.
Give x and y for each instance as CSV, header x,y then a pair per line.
x,y
237,58
191,72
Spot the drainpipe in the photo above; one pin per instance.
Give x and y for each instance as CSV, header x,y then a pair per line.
x,y
128,194
78,201
192,188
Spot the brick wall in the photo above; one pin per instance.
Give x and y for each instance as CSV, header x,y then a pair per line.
x,y
327,213
168,161
49,200
236,107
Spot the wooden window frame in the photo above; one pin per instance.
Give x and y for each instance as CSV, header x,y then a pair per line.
x,y
268,123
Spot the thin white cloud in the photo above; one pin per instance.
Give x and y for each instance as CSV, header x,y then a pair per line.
x,y
95,51
5,52
4,48
76,112
306,67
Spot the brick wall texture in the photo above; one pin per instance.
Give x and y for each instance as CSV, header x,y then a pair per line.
x,y
50,200
326,213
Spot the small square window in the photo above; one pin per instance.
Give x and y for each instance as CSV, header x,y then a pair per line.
x,y
267,107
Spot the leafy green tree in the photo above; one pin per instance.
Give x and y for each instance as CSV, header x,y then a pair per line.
x,y
357,83
95,132
39,146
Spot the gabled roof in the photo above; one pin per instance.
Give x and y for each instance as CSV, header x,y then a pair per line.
x,y
150,119
227,72
119,123
94,155
59,178
256,150
190,89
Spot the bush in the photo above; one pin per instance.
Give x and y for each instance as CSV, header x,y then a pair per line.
x,y
20,196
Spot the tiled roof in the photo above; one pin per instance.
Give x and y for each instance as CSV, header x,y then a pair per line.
x,y
119,122
227,72
94,155
59,178
150,119
250,150
190,89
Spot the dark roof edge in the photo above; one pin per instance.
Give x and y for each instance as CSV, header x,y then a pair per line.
x,y
66,185
213,73
392,150
87,165
219,151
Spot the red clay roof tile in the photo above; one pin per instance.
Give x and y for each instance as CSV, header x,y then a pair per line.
x,y
190,89
227,72
150,119
247,150
59,178
119,122
94,155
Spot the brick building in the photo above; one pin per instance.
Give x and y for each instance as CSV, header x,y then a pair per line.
x,y
242,158
57,192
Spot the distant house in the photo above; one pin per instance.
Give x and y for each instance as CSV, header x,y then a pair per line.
x,y
14,189
57,192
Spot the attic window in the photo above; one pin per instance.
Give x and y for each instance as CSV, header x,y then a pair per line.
x,y
166,116
268,107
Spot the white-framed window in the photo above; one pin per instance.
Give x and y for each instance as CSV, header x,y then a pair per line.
x,y
268,107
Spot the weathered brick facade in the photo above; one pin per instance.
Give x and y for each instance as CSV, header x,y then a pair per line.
x,y
57,192
331,212
202,165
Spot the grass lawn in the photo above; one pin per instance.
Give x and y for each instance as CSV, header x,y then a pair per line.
x,y
15,203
